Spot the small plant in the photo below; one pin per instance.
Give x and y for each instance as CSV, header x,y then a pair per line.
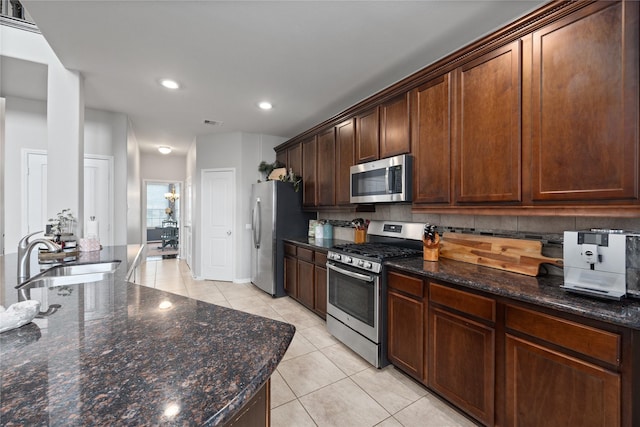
x,y
266,168
62,224
293,178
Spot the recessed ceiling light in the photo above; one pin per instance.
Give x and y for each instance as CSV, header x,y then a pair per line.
x,y
169,84
164,149
265,105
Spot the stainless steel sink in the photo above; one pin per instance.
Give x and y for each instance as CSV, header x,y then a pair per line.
x,y
77,269
70,274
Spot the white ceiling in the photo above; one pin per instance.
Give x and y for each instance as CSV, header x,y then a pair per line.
x,y
311,59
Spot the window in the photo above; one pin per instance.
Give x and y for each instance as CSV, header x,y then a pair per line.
x,y
157,204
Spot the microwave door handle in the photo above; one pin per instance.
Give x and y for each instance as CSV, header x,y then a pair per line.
x,y
387,178
352,274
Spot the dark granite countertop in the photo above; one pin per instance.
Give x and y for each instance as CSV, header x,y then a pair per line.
x,y
111,356
543,291
316,244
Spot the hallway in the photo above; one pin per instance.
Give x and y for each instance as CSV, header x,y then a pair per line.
x,y
319,382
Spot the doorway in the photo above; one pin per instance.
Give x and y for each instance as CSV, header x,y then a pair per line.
x,y
98,192
218,222
162,219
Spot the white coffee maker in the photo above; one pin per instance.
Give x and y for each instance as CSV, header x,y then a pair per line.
x,y
595,262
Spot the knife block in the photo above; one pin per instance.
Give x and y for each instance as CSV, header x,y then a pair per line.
x,y
431,249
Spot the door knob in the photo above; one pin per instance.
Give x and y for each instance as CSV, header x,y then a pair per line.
x,y
229,233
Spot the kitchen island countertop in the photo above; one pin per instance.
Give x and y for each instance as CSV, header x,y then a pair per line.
x,y
117,353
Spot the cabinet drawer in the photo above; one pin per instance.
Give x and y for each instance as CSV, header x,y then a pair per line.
x,y
305,254
290,249
320,258
475,305
407,284
584,339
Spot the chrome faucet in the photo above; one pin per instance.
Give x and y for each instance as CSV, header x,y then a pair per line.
x,y
24,254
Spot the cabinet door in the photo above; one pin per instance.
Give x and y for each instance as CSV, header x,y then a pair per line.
x,y
406,334
291,276
305,283
326,164
320,291
431,146
462,363
309,185
585,105
367,136
281,156
294,158
488,148
395,135
345,147
545,387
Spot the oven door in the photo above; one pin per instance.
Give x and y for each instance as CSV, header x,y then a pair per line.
x,y
354,299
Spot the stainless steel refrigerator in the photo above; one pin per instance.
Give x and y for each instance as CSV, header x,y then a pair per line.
x,y
276,214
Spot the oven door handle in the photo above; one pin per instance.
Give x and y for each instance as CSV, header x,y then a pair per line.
x,y
352,274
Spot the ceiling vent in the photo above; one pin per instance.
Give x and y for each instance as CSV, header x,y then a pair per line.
x,y
213,122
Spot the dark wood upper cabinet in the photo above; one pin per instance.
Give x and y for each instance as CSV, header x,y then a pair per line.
x,y
309,184
294,158
487,142
431,141
281,156
395,137
345,144
326,165
368,136
585,105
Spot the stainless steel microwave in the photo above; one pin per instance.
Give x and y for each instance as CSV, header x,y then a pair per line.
x,y
385,180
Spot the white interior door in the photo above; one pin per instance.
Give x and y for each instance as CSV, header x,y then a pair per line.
x,y
98,193
98,196
36,195
218,201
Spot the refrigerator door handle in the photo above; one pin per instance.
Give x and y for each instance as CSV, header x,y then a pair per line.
x,y
257,222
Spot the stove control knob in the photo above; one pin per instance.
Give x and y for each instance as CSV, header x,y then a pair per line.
x,y
348,259
367,265
360,263
338,257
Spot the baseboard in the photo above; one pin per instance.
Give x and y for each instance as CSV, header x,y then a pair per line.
x,y
242,280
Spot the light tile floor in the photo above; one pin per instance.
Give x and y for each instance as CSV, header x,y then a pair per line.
x,y
320,382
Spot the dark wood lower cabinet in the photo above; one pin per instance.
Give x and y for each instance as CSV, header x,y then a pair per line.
x,y
305,277
509,363
291,276
305,283
256,412
320,290
462,363
406,334
549,388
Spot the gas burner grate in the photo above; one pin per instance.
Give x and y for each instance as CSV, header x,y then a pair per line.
x,y
376,250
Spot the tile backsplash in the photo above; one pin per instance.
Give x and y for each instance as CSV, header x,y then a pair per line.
x,y
548,229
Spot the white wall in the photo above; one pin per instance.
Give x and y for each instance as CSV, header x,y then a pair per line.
x,y
65,117
244,152
170,167
26,128
133,189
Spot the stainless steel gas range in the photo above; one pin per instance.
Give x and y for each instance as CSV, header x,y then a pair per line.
x,y
356,286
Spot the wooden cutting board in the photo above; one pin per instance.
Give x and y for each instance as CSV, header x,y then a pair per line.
x,y
516,255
